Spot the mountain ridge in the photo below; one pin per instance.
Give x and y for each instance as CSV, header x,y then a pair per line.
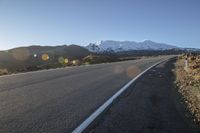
x,y
36,57
119,46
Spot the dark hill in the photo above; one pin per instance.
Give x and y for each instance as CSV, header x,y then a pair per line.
x,y
19,59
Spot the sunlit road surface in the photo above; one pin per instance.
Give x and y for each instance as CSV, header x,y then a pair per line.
x,y
57,101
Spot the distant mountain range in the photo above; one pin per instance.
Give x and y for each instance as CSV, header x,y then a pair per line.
x,y
120,46
31,57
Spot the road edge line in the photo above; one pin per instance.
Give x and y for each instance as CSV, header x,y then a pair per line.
x,y
103,107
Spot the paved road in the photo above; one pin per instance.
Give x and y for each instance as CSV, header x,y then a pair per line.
x,y
150,105
57,101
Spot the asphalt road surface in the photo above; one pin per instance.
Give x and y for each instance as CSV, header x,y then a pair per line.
x,y
57,101
151,105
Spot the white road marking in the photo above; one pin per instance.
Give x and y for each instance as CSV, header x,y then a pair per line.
x,y
95,114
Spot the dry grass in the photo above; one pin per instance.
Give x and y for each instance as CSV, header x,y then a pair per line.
x,y
3,72
188,83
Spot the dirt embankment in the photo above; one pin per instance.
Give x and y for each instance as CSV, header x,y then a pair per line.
x,y
188,81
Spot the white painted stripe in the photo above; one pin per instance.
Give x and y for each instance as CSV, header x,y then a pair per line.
x,y
94,115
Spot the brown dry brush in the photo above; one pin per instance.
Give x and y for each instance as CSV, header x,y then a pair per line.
x,y
188,83
3,71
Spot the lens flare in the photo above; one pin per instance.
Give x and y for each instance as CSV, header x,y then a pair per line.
x,y
35,55
66,61
133,71
61,60
74,62
45,57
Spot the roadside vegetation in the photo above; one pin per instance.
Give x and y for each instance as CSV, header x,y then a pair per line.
x,y
48,61
188,82
3,72
33,58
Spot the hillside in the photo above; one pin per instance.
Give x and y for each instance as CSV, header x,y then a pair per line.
x,y
32,58
19,59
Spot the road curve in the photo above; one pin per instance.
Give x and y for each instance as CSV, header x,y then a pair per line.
x,y
57,101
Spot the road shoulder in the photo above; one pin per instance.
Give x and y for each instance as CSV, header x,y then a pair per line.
x,y
151,104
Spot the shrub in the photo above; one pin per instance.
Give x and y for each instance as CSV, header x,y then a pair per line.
x,y
3,71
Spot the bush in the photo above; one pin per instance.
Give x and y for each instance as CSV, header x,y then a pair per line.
x,y
92,59
3,71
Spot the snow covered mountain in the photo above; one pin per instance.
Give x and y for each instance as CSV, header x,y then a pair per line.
x,y
119,46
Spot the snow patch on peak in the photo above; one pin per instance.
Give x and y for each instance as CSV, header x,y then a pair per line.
x,y
118,46
98,43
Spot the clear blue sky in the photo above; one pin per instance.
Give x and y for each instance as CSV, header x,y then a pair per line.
x,y
57,22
